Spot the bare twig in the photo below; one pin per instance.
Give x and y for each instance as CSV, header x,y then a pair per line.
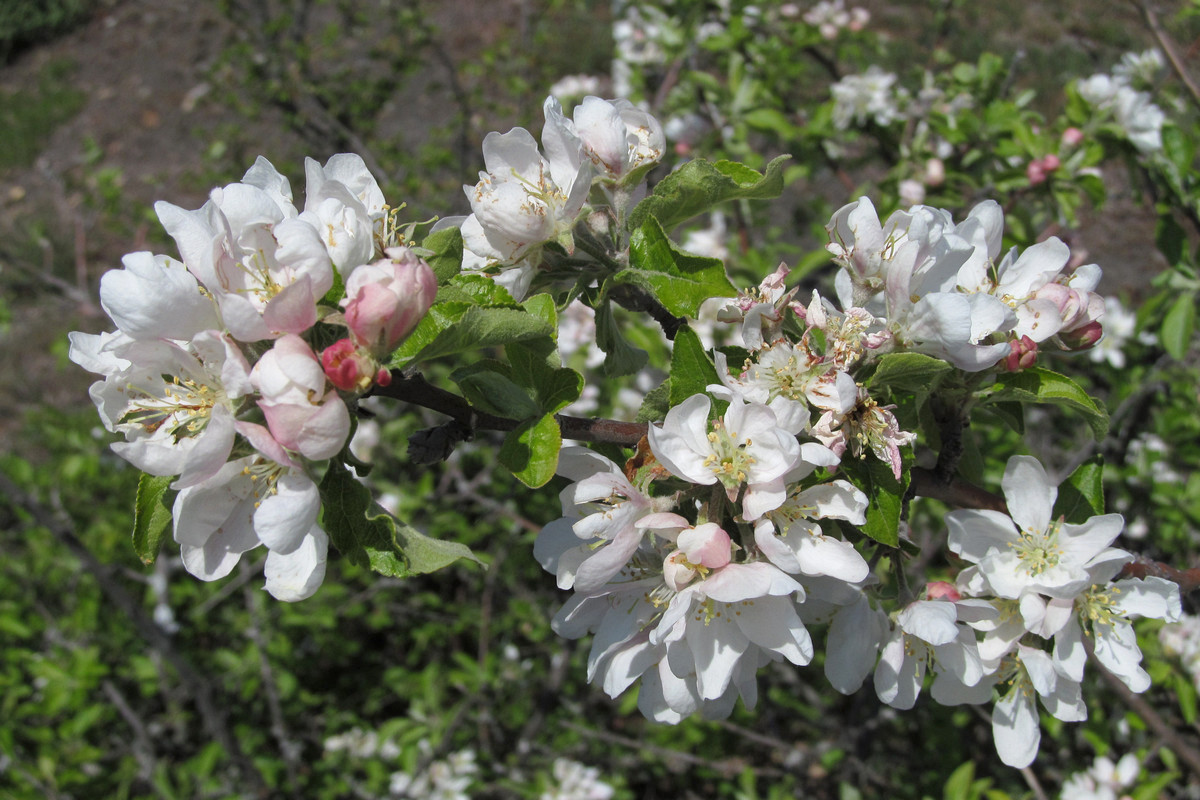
x,y
1168,47
288,748
1170,737
142,746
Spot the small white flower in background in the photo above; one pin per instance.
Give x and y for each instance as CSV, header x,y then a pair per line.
x,y
1140,70
830,16
444,779
912,193
576,87
1182,640
1120,325
575,781
710,241
1104,780
869,97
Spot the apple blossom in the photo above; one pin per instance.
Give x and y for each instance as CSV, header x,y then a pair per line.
x,y
387,298
303,414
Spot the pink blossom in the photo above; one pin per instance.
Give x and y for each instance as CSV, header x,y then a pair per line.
x,y
303,413
385,300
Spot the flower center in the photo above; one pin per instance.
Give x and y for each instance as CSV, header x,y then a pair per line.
x,y
729,459
1039,550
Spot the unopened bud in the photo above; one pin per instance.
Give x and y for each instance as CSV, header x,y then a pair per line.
x,y
935,172
1035,172
941,590
1082,338
348,368
1022,354
385,300
1050,162
1072,136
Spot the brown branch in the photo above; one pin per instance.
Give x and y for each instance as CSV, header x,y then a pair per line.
x,y
420,392
1163,729
1168,48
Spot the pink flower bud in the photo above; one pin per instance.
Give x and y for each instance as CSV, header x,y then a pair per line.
x,y
1022,354
939,590
706,545
385,300
935,172
346,367
303,413
1082,338
1050,162
1072,137
1035,172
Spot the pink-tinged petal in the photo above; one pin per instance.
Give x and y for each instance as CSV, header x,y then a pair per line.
x,y
297,575
293,310
1028,493
1038,318
1036,267
1015,727
285,517
265,443
325,433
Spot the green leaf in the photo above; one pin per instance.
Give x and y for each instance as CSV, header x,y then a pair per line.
x,y
1179,325
370,537
691,368
1081,496
958,785
151,515
475,289
698,186
622,358
483,327
447,248
487,385
1040,385
681,281
911,372
536,369
1178,148
655,404
542,307
885,496
531,451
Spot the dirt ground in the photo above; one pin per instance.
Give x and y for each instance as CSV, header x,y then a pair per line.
x,y
146,69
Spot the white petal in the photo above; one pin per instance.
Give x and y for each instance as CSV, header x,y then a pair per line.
x,y
1015,727
297,575
1028,493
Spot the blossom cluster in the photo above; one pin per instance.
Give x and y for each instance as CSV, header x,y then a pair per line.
x,y
1131,109
711,553
211,380
526,199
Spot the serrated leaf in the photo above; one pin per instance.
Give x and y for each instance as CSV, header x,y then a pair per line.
x,y
487,385
484,327
699,186
542,307
621,358
1179,325
475,289
536,369
691,368
655,404
681,281
368,536
441,316
911,372
1040,385
1081,496
447,247
151,515
531,450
